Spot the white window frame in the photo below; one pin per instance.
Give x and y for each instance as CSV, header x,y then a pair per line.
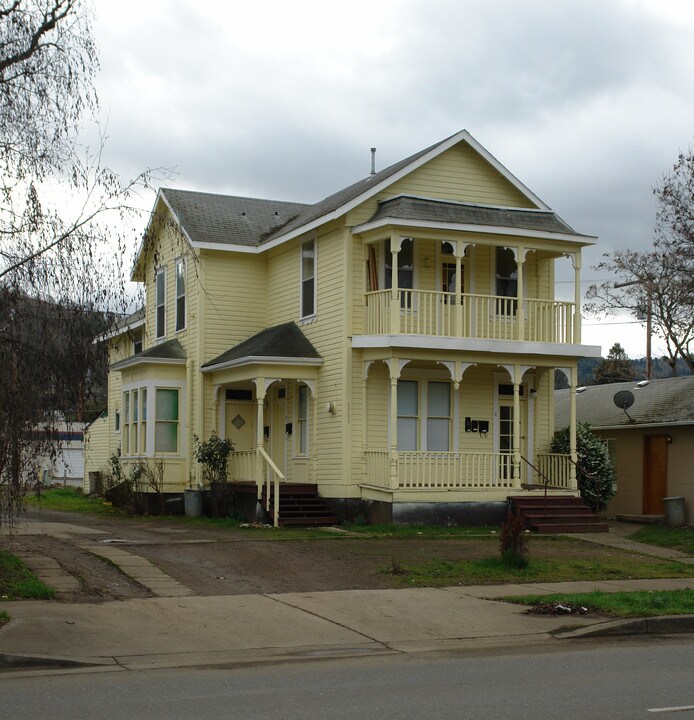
x,y
160,331
313,279
180,317
146,423
422,418
303,426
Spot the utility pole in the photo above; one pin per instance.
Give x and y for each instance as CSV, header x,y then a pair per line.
x,y
649,318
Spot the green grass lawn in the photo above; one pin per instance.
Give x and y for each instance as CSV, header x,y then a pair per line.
x,y
676,538
623,604
488,571
17,582
69,499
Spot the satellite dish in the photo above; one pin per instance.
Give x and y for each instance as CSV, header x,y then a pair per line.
x,y
624,399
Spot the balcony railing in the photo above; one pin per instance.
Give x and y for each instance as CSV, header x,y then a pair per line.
x,y
485,317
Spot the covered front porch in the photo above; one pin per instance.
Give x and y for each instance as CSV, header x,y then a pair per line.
x,y
457,430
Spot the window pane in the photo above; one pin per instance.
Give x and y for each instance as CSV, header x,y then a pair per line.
x,y
439,399
161,287
307,260
438,434
407,397
308,306
506,273
161,317
126,406
143,393
167,405
165,437
180,313
180,278
303,401
407,433
135,408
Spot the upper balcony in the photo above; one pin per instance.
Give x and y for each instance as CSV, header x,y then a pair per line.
x,y
479,317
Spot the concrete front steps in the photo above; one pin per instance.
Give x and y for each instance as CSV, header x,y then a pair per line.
x,y
557,514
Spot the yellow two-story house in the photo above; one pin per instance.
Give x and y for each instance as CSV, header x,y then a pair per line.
x,y
394,345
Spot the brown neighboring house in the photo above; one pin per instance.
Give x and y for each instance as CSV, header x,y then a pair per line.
x,y
651,442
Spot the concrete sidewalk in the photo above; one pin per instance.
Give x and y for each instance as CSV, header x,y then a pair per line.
x,y
176,629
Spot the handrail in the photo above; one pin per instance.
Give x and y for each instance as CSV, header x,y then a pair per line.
x,y
279,475
541,474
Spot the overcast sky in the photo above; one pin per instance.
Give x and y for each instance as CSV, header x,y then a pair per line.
x,y
587,102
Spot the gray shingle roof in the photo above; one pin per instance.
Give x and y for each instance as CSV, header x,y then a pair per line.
x,y
664,401
284,340
342,197
227,219
406,207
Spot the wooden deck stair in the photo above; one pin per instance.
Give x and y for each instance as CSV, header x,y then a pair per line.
x,y
557,514
301,506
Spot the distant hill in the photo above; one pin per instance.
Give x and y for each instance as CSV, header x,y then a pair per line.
x,y
586,371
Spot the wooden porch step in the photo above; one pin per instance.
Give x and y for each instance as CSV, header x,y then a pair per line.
x,y
557,514
301,506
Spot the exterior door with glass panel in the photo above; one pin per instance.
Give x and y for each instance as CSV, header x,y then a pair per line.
x,y
505,440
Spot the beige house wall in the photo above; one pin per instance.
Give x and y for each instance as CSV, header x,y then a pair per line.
x,y
628,447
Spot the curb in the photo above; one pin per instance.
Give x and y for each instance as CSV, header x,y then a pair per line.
x,y
36,662
663,625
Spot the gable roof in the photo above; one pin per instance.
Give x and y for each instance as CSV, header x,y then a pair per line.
x,y
226,219
668,401
283,342
254,225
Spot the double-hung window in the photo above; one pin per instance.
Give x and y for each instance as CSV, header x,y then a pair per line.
x,y
308,278
166,420
302,419
180,294
160,303
434,432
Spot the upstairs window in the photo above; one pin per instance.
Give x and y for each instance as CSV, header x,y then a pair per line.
x,y
137,341
308,279
161,303
405,270
180,294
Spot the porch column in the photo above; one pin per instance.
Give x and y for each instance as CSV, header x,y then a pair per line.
x,y
394,367
573,484
576,260
395,243
458,289
516,426
520,308
260,390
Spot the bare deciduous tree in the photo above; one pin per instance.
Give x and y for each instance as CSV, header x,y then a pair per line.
x,y
63,233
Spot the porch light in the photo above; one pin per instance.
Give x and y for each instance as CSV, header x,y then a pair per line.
x,y
330,408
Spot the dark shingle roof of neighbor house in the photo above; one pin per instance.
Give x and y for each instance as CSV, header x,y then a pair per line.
x,y
661,402
406,207
227,219
285,341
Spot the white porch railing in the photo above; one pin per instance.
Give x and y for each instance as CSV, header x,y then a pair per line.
x,y
555,467
257,466
486,317
443,470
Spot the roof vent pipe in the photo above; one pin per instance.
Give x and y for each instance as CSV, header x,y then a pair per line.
x,y
373,161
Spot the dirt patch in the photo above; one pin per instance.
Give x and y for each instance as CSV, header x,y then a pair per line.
x,y
99,580
213,561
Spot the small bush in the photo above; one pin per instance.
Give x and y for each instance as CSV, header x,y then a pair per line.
x,y
594,471
513,543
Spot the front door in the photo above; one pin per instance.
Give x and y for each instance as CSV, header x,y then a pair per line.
x,y
240,423
504,431
654,474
